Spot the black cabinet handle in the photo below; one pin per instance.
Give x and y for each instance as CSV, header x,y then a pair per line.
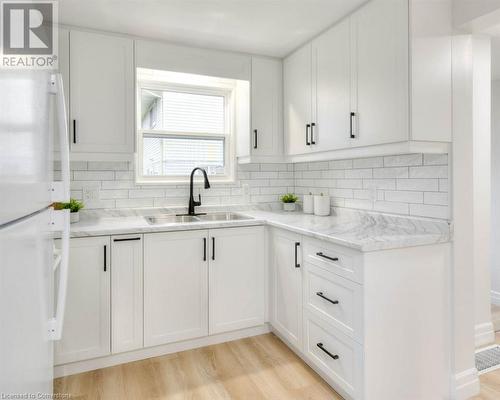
x,y
312,133
105,256
353,114
204,249
320,294
213,248
74,131
255,143
334,356
307,135
320,254
126,239
297,244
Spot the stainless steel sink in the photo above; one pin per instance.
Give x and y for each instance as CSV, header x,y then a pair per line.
x,y
171,219
185,219
222,216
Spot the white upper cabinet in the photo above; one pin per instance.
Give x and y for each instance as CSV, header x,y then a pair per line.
x,y
237,278
331,89
379,40
380,77
102,93
266,107
297,80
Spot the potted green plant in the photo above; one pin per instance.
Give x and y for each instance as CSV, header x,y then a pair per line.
x,y
74,206
289,201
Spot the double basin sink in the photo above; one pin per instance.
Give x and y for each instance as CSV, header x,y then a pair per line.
x,y
186,219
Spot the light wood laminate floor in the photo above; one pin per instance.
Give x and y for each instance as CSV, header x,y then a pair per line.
x,y
261,367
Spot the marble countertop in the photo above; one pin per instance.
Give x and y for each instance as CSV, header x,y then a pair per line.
x,y
359,230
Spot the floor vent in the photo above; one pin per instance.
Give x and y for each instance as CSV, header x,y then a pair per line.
x,y
488,359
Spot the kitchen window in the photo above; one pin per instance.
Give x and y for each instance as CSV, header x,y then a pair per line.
x,y
184,121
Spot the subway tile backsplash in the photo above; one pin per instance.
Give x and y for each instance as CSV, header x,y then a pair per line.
x,y
412,184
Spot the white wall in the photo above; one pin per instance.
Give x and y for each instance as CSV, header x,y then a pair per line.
x,y
495,190
482,188
467,12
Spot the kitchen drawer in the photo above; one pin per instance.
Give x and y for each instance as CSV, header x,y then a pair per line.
x,y
336,300
338,259
334,354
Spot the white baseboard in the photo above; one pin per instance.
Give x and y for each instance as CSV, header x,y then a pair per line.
x,y
466,385
495,298
484,334
141,354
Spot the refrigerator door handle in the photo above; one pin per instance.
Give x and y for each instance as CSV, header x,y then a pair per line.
x,y
60,222
60,190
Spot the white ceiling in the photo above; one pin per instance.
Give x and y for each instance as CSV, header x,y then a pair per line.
x,y
269,27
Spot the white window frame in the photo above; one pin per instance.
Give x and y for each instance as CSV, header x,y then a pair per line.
x,y
219,89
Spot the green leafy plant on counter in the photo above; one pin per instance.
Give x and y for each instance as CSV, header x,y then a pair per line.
x,y
73,206
289,198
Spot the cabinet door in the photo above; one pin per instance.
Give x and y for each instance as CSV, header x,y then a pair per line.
x,y
86,330
332,88
102,90
267,107
236,278
287,287
297,99
380,51
175,286
126,293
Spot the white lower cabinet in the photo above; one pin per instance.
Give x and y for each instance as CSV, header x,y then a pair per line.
x,y
175,286
237,281
286,292
126,293
367,322
86,330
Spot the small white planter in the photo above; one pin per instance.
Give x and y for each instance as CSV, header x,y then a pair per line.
x,y
289,206
74,217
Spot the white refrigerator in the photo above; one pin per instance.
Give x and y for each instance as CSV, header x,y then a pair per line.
x,y
33,275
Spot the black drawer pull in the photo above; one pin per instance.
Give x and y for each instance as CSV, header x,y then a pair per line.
x,y
297,244
307,135
327,257
204,249
255,133
320,294
312,133
213,248
334,356
126,239
105,257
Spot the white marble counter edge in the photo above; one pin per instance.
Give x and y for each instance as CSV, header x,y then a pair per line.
x,y
394,243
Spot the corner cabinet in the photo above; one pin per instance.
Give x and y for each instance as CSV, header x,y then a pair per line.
x,y
378,82
87,330
102,93
286,286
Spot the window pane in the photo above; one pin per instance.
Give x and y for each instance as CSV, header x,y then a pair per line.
x,y
179,155
182,112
